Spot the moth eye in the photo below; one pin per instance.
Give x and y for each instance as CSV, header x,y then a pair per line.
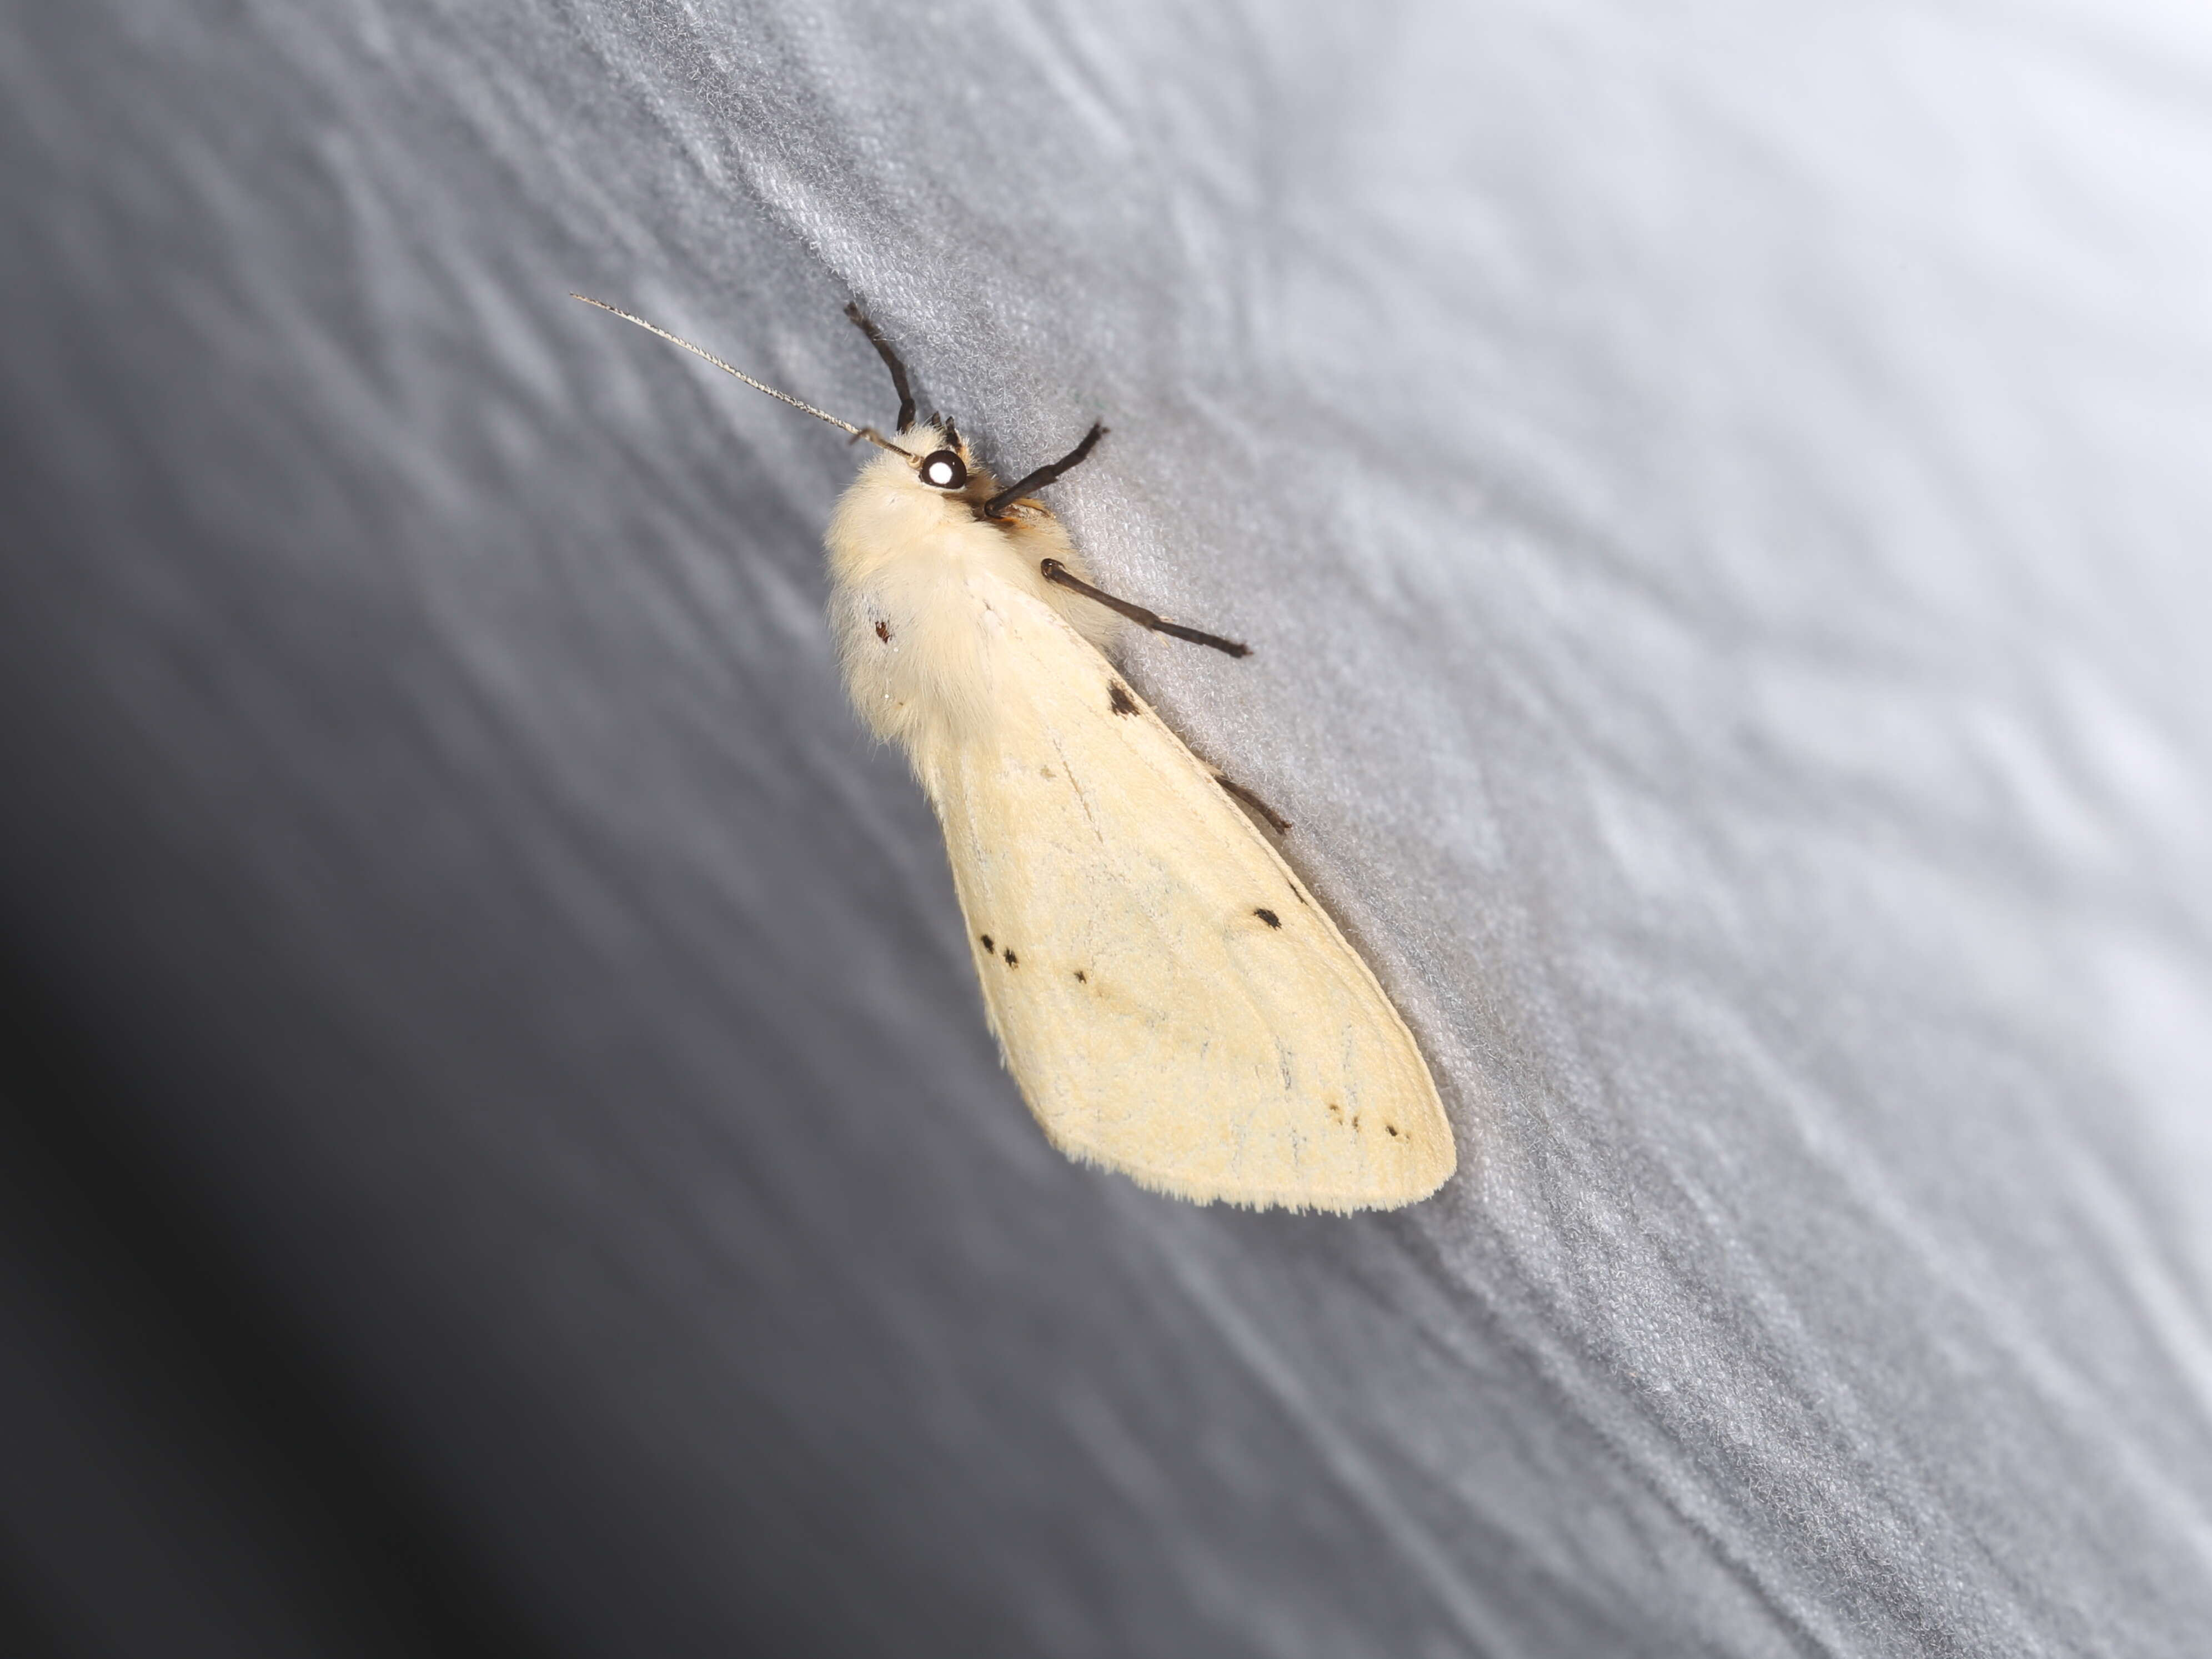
x,y
943,469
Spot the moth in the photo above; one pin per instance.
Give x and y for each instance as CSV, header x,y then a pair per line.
x,y
1171,1001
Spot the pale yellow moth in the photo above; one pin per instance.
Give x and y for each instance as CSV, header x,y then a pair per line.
x,y
1171,1001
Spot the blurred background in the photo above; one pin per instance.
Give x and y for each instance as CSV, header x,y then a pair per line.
x,y
500,1152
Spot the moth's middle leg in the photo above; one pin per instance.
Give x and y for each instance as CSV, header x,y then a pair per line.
x,y
1053,571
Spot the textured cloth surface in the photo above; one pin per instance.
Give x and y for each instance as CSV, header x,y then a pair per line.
x,y
1718,497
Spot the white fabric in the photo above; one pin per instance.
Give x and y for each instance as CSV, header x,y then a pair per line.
x,y
1718,495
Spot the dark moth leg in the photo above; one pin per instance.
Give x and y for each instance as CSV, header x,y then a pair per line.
x,y
899,383
1275,820
1059,575
997,506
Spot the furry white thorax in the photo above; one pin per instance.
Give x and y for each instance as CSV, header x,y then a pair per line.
x,y
912,622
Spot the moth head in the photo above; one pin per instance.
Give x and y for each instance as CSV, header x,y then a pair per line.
x,y
945,470
941,462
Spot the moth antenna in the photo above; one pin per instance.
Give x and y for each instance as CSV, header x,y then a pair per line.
x,y
869,432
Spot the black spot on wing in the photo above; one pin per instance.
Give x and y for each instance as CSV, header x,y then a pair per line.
x,y
1082,978
1269,917
1013,961
985,938
883,632
1119,700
